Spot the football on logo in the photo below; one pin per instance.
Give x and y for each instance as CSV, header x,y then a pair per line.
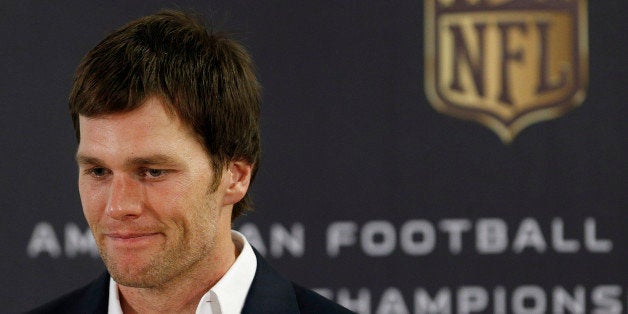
x,y
506,63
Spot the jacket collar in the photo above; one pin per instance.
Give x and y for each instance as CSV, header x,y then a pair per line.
x,y
269,292
96,298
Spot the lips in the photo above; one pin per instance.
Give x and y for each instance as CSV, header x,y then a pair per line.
x,y
130,236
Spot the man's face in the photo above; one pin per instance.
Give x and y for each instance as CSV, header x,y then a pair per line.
x,y
144,182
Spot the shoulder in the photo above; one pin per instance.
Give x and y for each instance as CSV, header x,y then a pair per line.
x,y
312,302
92,298
271,293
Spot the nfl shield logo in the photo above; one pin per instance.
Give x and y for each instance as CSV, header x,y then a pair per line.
x,y
506,63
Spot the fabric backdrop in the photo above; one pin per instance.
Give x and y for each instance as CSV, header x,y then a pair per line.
x,y
438,156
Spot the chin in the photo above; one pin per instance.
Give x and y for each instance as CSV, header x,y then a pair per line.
x,y
133,273
134,278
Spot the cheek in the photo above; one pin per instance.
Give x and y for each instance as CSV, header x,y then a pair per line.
x,y
191,208
93,200
180,194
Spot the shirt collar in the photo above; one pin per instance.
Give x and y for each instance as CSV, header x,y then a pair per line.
x,y
231,290
227,295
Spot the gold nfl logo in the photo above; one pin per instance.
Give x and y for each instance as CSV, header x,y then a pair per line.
x,y
506,63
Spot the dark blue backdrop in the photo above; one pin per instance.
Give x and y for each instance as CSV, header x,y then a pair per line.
x,y
365,191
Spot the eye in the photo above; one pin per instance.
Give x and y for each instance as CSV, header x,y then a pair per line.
x,y
98,172
154,173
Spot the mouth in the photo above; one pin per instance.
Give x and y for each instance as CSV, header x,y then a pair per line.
x,y
131,238
125,236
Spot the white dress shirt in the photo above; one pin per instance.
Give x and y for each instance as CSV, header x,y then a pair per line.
x,y
227,296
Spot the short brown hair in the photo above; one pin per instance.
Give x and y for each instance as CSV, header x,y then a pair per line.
x,y
206,79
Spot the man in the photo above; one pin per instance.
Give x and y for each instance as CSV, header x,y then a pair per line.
x,y
167,120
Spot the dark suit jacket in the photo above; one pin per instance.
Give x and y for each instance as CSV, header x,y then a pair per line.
x,y
269,293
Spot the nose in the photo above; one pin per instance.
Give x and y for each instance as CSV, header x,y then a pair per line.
x,y
125,198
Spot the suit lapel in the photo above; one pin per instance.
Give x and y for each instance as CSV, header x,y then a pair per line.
x,y
269,292
96,297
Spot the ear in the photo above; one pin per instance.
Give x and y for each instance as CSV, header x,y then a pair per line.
x,y
237,177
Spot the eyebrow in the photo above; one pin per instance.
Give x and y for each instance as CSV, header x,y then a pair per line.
x,y
87,160
155,159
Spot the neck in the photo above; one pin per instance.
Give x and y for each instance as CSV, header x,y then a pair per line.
x,y
182,294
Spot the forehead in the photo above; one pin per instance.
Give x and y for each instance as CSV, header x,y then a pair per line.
x,y
143,130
